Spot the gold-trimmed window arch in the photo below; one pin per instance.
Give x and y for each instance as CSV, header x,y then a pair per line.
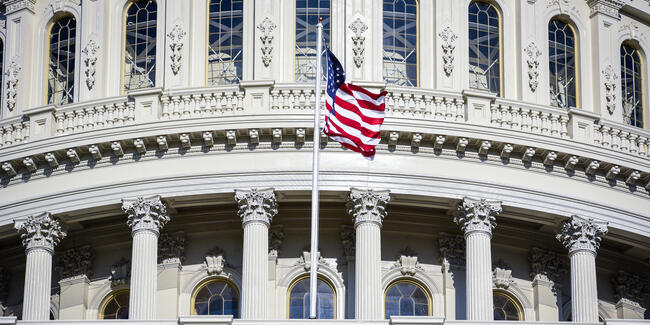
x,y
506,306
139,62
115,305
485,58
563,63
216,296
632,85
298,298
61,47
407,297
400,39
225,41
307,14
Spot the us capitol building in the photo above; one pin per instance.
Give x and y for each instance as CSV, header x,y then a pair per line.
x,y
155,162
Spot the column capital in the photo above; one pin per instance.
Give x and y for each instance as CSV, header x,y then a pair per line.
x,y
581,234
41,231
256,205
477,215
145,213
368,205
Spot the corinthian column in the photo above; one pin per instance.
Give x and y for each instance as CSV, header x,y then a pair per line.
x,y
581,236
146,217
476,219
39,235
368,209
256,210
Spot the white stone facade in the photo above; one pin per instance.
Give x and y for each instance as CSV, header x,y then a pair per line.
x,y
472,194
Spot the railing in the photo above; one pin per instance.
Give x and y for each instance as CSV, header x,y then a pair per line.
x,y
95,115
426,104
14,131
622,138
294,97
204,102
529,118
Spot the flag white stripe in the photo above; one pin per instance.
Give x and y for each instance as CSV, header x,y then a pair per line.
x,y
355,117
352,131
353,101
362,96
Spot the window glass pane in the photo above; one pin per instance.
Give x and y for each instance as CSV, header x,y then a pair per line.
x,y
217,297
484,47
405,298
505,308
299,300
116,307
400,42
562,55
225,34
140,45
307,14
631,86
60,73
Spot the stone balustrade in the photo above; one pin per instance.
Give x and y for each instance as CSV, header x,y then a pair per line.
x,y
202,102
94,115
14,131
529,118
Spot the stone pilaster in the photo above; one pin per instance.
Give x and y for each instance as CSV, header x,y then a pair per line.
x,y
348,240
548,268
476,218
171,254
40,234
582,236
256,210
146,217
74,266
630,292
452,259
368,209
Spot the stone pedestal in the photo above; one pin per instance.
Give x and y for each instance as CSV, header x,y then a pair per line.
x,y
146,217
629,309
548,269
630,290
368,209
168,289
74,298
581,236
256,209
477,219
40,234
545,300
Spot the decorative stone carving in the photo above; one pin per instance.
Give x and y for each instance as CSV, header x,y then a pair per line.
x,y
408,265
610,88
630,287
41,231
533,53
145,214
448,38
631,31
176,36
392,138
120,272
452,250
74,262
51,160
548,266
605,7
477,215
506,151
563,6
485,147
502,277
171,248
16,5
580,233
368,205
8,168
571,163
305,260
90,52
276,236
358,28
266,28
215,261
59,5
12,73
256,205
348,240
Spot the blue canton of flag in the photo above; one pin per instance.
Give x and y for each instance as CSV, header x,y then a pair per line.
x,y
335,76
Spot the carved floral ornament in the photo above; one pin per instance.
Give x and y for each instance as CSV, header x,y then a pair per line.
x,y
171,248
266,28
176,36
145,214
348,240
120,272
448,39
90,51
215,262
256,205
12,73
42,231
533,53
477,215
358,28
630,287
276,236
368,205
548,266
408,265
610,88
74,262
581,234
452,250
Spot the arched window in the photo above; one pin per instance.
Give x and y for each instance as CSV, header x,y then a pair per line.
x,y
140,44
506,307
225,39
307,14
115,306
406,298
484,46
632,85
216,297
401,42
299,299
562,63
61,60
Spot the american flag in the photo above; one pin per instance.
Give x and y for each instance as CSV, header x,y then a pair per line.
x,y
354,114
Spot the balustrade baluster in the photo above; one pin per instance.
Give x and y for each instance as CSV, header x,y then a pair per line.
x,y
460,109
166,113
438,109
60,122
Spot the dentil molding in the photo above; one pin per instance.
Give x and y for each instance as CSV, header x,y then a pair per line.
x,y
582,234
477,215
256,205
145,214
368,205
41,231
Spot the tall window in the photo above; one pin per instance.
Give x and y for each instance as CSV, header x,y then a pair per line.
x,y
140,45
506,307
216,297
115,306
401,42
406,298
631,86
307,14
2,60
225,34
60,72
484,46
562,63
299,300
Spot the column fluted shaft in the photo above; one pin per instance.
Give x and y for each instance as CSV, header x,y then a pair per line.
x,y
479,276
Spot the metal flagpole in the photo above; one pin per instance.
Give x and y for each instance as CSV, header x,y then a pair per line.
x,y
313,274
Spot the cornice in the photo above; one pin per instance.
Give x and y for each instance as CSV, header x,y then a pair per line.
x,y
13,6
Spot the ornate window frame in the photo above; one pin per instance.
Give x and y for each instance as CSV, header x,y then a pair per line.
x,y
628,34
499,10
512,298
211,279
159,51
563,18
413,281
417,46
635,44
419,274
207,46
306,276
196,275
107,298
60,15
